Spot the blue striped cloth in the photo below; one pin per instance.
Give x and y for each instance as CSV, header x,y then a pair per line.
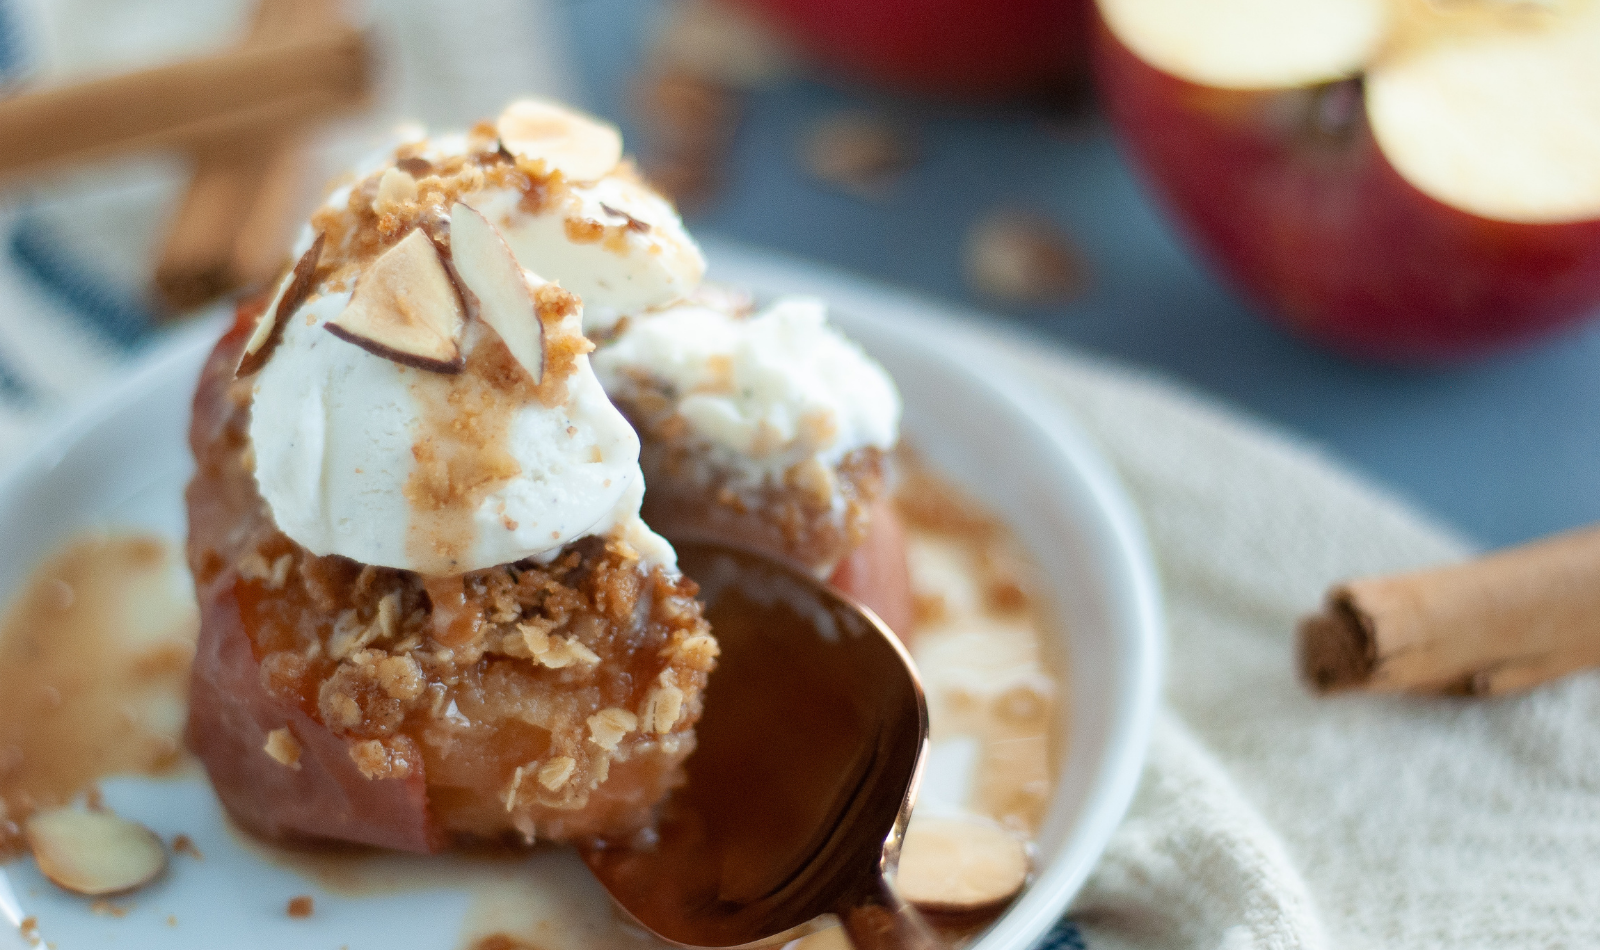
x,y
65,327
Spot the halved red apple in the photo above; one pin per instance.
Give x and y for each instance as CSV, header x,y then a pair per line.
x,y
1400,179
960,48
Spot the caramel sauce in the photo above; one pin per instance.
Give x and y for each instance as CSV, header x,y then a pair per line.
x,y
94,652
987,667
462,442
94,662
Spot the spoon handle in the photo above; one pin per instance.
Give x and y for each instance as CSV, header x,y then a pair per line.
x,y
877,919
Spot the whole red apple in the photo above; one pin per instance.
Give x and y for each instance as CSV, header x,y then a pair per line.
x,y
1398,179
962,48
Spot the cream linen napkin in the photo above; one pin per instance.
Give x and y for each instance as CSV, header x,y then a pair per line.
x,y
1270,818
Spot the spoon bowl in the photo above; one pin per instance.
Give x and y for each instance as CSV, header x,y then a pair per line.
x,y
801,784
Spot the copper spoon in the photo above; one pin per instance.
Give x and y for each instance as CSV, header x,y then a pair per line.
x,y
803,778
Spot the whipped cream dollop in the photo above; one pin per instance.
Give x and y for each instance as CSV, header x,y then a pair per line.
x,y
336,432
759,393
381,437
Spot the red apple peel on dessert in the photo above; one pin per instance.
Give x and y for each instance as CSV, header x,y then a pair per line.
x,y
434,608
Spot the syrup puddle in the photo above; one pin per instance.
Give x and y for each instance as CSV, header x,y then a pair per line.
x,y
94,659
94,656
94,664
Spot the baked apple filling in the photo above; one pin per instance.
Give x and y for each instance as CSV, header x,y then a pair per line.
x,y
431,610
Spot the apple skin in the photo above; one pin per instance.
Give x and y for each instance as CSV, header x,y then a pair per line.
x,y
1322,232
878,575
961,48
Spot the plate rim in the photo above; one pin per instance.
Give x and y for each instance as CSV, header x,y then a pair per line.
x,y
1045,901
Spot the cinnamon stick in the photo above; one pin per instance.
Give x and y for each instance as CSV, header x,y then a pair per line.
x,y
232,225
260,249
231,228
210,101
1498,624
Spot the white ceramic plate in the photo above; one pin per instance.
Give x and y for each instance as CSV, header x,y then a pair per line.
x,y
123,463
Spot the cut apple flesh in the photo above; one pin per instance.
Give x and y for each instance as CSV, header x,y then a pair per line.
x,y
581,148
1488,106
1497,115
406,308
495,288
1251,44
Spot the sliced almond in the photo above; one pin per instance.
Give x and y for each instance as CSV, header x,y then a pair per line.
x,y
94,852
581,148
269,327
406,308
495,288
859,151
1023,258
960,865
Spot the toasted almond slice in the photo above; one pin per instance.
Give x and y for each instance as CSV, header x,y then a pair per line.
x,y
859,151
269,327
406,308
581,148
960,864
495,288
94,852
1023,258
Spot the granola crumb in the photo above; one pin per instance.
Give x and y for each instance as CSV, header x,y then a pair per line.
x,y
608,726
284,748
105,908
555,773
661,708
698,652
376,760
172,920
1022,257
860,152
301,907
29,928
183,844
516,785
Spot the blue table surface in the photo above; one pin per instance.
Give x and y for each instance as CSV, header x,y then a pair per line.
x,y
1503,450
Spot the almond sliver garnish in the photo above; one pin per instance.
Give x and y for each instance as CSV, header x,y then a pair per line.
x,y
960,864
94,852
581,148
406,308
495,288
